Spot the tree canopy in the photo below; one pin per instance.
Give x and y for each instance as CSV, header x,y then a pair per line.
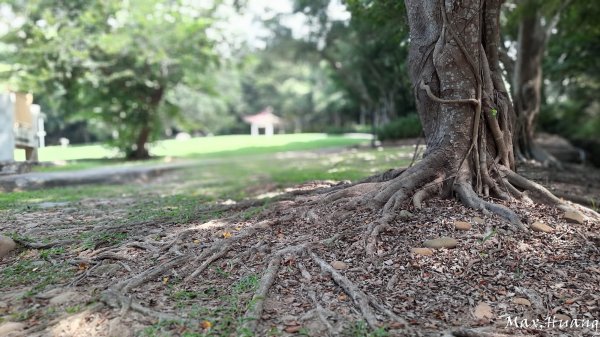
x,y
132,72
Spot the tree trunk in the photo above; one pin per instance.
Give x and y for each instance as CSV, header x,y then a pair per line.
x,y
462,101
466,113
527,82
141,152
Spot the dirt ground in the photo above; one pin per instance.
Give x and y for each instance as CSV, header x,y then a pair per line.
x,y
289,268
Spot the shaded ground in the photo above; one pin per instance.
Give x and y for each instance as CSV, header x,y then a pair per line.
x,y
190,253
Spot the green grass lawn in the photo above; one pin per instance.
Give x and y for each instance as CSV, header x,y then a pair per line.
x,y
87,156
230,176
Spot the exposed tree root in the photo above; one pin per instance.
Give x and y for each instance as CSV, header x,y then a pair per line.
x,y
128,284
480,333
361,299
538,192
114,299
252,316
222,247
322,314
39,245
427,192
373,234
416,184
471,199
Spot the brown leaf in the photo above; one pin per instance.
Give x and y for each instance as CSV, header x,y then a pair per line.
x,y
339,265
521,301
293,329
483,311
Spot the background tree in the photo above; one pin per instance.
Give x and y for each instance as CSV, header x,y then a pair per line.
x,y
572,78
535,24
112,61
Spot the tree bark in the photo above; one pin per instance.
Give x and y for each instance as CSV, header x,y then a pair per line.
x,y
141,152
463,104
143,137
466,113
534,30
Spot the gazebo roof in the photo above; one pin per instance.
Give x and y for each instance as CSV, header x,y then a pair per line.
x,y
264,117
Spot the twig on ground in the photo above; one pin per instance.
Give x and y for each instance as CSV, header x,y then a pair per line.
x,y
360,298
114,299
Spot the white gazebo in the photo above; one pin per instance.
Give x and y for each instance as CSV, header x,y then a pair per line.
x,y
265,120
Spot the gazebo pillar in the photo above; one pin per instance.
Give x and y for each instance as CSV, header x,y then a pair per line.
x,y
269,129
254,129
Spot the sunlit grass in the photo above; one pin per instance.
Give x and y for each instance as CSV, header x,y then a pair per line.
x,y
201,146
80,157
225,178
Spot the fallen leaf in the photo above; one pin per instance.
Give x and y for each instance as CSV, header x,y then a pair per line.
x,y
206,325
422,251
483,311
339,265
165,280
562,317
197,241
227,235
293,329
396,325
521,301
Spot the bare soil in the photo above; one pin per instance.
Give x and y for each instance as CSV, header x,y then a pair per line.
x,y
295,267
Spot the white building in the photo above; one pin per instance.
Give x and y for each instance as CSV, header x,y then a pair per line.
x,y
21,126
263,120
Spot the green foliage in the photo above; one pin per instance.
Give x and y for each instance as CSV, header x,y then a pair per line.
x,y
401,128
110,63
572,71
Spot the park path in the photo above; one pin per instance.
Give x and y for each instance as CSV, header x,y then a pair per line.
x,y
111,175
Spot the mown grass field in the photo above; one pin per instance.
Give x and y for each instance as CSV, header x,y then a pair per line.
x,y
201,147
236,176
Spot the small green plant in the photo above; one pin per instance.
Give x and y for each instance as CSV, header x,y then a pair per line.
x,y
246,283
304,332
360,329
518,274
46,253
23,315
73,310
274,332
220,271
93,240
494,112
489,236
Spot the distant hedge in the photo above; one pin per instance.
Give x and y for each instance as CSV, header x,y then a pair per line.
x,y
400,128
